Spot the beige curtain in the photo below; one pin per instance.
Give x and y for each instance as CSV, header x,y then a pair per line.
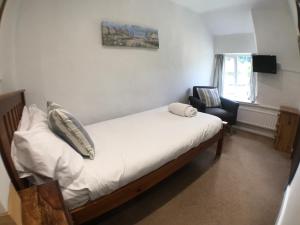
x,y
218,72
253,89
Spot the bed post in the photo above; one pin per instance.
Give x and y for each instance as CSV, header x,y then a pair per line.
x,y
220,141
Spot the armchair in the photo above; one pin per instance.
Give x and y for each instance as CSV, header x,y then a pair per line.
x,y
227,112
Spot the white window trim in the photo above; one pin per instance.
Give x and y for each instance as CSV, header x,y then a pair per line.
x,y
255,74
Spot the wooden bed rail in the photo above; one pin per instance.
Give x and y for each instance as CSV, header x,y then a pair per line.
x,y
108,202
11,108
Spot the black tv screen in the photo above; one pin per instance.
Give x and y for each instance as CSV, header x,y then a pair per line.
x,y
264,63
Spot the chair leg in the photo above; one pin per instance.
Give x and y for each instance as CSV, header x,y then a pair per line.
x,y
230,129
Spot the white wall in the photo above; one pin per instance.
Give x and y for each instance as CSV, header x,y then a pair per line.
x,y
289,213
235,43
60,56
7,41
7,30
275,34
293,10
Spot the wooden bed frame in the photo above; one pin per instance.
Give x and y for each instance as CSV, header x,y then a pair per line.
x,y
11,107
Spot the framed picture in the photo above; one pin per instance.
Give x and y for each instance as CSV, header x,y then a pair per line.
x,y
2,6
123,35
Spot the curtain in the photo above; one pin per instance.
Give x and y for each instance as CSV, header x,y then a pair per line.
x,y
218,72
253,85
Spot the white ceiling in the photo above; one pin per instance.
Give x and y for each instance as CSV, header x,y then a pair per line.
x,y
224,17
202,6
229,21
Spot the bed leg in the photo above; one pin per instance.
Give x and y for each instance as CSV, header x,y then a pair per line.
x,y
220,142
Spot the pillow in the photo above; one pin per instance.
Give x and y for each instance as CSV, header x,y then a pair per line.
x,y
52,105
65,125
32,117
210,97
38,117
24,124
25,120
44,154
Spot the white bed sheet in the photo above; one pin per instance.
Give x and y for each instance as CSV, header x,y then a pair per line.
x,y
130,147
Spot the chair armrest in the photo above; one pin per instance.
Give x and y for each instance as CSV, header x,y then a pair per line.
x,y
196,103
230,106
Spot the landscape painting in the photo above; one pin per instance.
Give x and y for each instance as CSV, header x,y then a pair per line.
x,y
122,35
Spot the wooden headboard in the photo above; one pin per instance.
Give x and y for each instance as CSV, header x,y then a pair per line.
x,y
11,108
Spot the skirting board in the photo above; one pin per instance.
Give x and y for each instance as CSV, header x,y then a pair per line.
x,y
254,129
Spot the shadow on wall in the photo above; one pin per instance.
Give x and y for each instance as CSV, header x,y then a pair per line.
x,y
2,6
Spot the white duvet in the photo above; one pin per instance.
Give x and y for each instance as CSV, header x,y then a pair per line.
x,y
130,147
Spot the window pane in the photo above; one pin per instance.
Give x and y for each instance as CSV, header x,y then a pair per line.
x,y
229,64
237,74
244,70
229,81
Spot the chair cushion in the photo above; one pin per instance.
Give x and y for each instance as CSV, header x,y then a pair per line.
x,y
209,96
221,113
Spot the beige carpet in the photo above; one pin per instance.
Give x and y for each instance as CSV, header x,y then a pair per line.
x,y
244,187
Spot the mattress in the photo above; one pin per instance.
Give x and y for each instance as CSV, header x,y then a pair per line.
x,y
130,147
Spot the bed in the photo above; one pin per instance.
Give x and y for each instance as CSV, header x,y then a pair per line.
x,y
131,161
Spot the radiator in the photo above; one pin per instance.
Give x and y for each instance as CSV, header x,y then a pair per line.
x,y
259,116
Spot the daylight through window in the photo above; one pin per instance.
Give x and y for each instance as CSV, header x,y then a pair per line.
x,y
237,77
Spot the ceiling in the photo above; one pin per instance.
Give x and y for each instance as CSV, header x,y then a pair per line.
x,y
203,6
225,17
229,21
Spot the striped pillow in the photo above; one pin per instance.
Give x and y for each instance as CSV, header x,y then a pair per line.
x,y
209,96
65,125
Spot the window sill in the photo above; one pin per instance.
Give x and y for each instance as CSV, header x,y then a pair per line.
x,y
245,102
248,103
257,104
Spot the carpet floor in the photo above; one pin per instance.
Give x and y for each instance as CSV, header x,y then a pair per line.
x,y
244,187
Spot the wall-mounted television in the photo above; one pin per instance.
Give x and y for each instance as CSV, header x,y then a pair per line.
x,y
264,64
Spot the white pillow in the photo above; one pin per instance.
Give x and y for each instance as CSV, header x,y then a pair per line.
x,y
37,117
31,117
41,152
25,119
24,124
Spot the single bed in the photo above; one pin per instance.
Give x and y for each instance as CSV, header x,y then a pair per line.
x,y
133,153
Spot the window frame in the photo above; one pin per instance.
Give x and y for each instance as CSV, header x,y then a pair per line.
x,y
235,57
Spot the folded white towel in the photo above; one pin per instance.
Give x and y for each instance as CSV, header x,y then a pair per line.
x,y
182,109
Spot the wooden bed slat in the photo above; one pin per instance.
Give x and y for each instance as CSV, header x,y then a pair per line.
x,y
8,127
15,117
9,120
12,121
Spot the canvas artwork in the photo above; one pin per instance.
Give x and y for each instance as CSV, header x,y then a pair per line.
x,y
123,35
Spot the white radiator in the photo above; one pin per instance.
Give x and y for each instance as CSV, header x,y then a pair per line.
x,y
259,116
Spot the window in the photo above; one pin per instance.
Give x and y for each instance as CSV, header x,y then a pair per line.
x,y
237,77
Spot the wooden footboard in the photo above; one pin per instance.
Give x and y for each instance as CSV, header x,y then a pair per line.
x,y
106,203
11,107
